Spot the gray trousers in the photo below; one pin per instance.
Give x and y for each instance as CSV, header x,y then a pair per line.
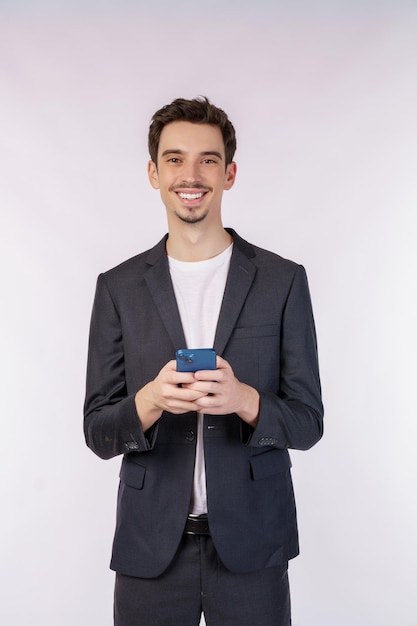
x,y
197,582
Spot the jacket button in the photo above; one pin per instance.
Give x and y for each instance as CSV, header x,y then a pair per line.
x,y
190,435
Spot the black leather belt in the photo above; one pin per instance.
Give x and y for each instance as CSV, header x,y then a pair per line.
x,y
197,525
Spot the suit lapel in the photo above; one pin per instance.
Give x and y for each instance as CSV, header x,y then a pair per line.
x,y
159,282
241,275
240,278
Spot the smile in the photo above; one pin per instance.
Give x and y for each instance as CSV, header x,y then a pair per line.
x,y
190,196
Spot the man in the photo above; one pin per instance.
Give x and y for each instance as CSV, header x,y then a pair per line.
x,y
206,516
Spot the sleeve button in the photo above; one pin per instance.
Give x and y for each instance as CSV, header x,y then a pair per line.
x,y
131,446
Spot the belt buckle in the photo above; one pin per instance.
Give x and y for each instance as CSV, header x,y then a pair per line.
x,y
197,525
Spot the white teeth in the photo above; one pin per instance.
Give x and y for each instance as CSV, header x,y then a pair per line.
x,y
190,196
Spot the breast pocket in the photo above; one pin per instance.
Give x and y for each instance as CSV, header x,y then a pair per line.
x,y
266,330
253,353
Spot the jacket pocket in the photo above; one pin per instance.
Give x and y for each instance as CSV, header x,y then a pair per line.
x,y
269,463
132,475
266,330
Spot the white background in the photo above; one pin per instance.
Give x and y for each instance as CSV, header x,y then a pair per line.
x,y
323,96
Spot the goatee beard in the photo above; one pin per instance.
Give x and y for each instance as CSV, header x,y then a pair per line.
x,y
192,219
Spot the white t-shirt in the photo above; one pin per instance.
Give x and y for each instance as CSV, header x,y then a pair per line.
x,y
199,289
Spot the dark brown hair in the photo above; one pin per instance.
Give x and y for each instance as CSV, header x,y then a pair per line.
x,y
198,111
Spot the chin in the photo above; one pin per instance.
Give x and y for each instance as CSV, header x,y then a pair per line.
x,y
192,219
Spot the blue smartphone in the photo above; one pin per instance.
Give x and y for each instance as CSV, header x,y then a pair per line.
x,y
198,359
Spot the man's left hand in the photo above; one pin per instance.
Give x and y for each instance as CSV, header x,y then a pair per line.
x,y
226,394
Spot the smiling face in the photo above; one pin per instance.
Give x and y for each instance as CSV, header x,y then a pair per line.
x,y
191,172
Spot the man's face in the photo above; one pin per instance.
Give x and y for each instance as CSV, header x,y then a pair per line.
x,y
191,173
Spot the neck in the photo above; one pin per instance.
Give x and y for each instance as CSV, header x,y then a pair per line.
x,y
194,244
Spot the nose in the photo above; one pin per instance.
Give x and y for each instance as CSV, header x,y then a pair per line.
x,y
191,172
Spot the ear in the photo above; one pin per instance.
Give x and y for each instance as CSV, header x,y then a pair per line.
x,y
230,177
153,175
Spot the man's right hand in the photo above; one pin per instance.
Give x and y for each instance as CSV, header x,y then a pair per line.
x,y
165,393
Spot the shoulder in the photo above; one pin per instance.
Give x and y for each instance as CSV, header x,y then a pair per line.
x,y
265,259
135,267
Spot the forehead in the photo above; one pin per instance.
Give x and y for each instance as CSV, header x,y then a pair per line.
x,y
191,138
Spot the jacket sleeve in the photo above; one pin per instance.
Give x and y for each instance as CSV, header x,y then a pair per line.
x,y
293,418
111,423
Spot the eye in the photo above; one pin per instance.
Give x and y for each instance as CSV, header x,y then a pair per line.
x,y
173,160
209,161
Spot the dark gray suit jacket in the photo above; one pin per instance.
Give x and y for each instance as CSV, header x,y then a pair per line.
x,y
266,332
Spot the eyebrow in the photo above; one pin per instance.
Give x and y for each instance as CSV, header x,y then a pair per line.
x,y
204,153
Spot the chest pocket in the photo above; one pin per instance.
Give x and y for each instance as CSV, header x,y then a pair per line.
x,y
254,354
267,330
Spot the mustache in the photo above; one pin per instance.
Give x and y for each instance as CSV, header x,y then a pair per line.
x,y
190,185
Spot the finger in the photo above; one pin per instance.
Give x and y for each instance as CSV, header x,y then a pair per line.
x,y
170,366
188,402
178,378
203,387
211,403
222,363
182,393
210,375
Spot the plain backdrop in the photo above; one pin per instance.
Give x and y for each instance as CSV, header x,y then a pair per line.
x,y
323,96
